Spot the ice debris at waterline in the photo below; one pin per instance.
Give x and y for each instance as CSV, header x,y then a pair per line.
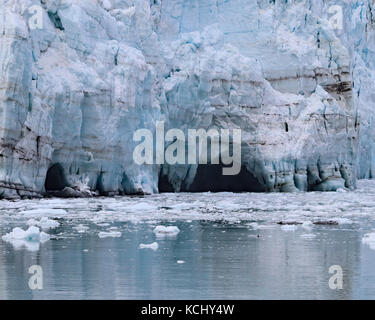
x,y
29,239
258,211
74,92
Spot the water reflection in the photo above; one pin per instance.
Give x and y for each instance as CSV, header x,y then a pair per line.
x,y
222,261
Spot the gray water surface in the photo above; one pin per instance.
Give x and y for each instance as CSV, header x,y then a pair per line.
x,y
223,258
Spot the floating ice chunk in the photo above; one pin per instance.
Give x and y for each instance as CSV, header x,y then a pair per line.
x,y
227,204
344,221
30,239
31,234
81,228
289,227
109,234
44,223
151,222
106,4
162,231
307,225
342,190
180,261
153,246
142,206
254,236
44,213
369,239
254,225
103,224
257,226
308,236
32,222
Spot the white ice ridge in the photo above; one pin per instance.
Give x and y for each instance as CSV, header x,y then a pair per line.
x,y
76,89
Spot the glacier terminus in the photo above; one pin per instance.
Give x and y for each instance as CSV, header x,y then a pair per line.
x,y
79,81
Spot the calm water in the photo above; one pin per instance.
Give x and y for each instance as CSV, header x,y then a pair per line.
x,y
231,254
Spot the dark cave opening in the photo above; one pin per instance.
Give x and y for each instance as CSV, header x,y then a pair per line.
x,y
100,185
210,178
55,180
164,184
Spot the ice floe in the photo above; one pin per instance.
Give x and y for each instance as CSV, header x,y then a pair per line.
x,y
289,227
308,236
163,231
81,228
259,211
30,238
43,212
109,234
44,223
153,246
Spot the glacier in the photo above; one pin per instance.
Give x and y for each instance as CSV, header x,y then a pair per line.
x,y
74,91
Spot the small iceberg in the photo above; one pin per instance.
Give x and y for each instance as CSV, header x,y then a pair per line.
x,y
81,228
109,234
30,239
289,227
369,239
153,246
170,231
44,223
308,236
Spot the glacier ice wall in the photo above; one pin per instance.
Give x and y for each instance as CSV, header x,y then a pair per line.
x,y
73,92
359,37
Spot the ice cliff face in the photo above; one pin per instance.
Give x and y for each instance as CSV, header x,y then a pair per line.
x,y
359,38
73,92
